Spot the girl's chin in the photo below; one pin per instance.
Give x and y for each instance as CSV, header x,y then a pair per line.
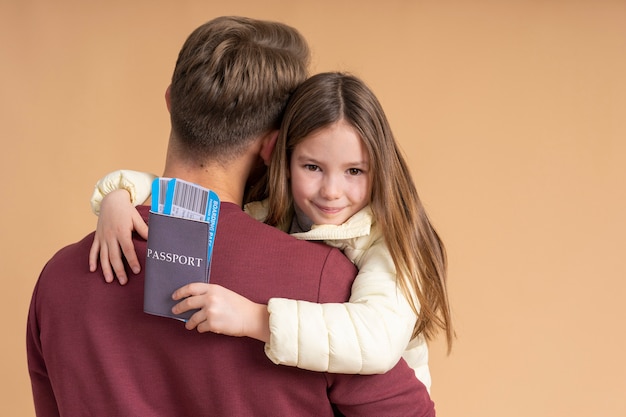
x,y
337,221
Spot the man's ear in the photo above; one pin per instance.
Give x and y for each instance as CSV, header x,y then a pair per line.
x,y
167,97
268,145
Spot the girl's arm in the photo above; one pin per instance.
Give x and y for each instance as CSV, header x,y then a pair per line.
x,y
367,335
117,220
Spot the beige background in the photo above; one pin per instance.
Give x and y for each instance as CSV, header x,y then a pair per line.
x,y
513,118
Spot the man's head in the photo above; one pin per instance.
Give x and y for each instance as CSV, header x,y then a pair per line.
x,y
232,80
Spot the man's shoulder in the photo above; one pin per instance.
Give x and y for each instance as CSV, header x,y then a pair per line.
x,y
71,255
280,244
240,222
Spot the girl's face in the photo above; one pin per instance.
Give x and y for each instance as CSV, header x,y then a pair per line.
x,y
329,171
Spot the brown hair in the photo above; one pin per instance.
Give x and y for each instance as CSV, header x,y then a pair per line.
x,y
231,82
415,247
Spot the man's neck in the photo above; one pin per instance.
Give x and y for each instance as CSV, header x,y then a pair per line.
x,y
228,180
225,183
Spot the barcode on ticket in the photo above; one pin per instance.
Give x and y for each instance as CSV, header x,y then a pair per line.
x,y
189,201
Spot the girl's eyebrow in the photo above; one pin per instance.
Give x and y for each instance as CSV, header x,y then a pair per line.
x,y
361,163
358,164
305,157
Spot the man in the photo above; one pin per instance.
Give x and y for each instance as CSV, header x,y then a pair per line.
x,y
92,350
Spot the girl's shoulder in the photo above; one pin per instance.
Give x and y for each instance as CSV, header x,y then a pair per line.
x,y
257,209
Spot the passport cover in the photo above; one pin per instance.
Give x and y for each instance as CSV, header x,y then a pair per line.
x,y
176,256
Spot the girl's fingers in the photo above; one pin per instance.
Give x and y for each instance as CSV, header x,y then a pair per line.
x,y
195,288
93,255
189,303
105,265
115,258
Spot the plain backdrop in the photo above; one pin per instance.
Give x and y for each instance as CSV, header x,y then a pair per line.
x,y
512,115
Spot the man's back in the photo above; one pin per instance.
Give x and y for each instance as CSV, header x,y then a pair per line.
x,y
102,355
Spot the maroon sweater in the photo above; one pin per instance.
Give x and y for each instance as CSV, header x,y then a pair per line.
x,y
92,351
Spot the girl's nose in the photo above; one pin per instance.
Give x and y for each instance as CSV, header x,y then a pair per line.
x,y
331,188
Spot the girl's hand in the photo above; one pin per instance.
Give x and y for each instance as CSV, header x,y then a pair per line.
x,y
118,218
222,311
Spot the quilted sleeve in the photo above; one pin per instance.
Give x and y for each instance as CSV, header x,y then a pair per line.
x,y
366,335
138,184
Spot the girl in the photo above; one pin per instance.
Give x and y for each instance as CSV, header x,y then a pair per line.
x,y
337,175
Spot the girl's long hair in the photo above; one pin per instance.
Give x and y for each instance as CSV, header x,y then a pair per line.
x,y
417,251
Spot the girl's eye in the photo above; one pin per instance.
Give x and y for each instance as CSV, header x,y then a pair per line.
x,y
311,167
354,171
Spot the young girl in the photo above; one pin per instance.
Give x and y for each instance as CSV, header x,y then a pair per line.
x,y
337,175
